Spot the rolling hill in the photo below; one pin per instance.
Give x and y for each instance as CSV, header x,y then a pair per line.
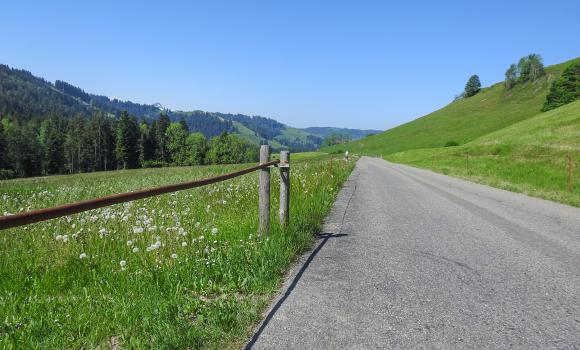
x,y
504,140
462,121
539,156
22,94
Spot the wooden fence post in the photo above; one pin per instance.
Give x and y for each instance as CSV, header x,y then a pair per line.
x,y
264,194
284,188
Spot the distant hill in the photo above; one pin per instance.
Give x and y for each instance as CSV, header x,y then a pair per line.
x,y
492,109
23,94
353,134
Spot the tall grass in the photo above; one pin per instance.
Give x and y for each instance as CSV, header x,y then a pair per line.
x,y
182,270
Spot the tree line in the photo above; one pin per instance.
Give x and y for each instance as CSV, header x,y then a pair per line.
x,y
33,146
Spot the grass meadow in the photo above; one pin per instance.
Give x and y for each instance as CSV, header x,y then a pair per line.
x,y
529,157
181,270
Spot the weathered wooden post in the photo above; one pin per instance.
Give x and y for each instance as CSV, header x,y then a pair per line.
x,y
284,188
264,194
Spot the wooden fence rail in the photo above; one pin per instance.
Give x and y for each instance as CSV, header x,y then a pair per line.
x,y
34,216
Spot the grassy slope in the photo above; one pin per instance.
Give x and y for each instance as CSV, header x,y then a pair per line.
x,y
462,121
207,296
293,133
250,136
528,157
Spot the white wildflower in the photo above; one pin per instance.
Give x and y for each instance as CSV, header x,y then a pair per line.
x,y
83,256
137,229
174,256
135,250
214,230
123,263
58,237
184,244
129,243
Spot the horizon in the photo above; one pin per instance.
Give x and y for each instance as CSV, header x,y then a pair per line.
x,y
357,67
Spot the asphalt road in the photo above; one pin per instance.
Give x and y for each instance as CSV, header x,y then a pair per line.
x,y
410,259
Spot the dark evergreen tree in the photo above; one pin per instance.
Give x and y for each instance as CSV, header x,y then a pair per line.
x,y
565,89
101,142
52,140
473,86
127,138
77,146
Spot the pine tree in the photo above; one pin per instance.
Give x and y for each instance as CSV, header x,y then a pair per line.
x,y
565,89
473,86
52,141
127,136
76,145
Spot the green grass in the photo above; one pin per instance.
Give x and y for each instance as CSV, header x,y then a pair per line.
x,y
492,109
528,157
304,156
208,295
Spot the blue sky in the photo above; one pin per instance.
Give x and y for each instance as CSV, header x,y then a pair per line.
x,y
357,64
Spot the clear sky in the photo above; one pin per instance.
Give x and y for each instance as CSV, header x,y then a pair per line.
x,y
355,64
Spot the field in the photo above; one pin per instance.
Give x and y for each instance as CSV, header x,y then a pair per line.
x,y
182,270
529,157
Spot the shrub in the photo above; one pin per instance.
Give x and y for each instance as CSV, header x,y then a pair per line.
x,y
451,144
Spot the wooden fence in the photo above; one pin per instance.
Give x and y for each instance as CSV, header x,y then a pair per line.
x,y
30,217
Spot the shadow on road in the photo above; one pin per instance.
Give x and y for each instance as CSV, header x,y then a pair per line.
x,y
324,237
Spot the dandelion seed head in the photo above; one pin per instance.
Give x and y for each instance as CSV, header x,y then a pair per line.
x,y
135,250
174,256
123,263
83,256
214,230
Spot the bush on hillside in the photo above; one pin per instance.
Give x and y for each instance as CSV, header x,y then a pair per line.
x,y
451,143
565,89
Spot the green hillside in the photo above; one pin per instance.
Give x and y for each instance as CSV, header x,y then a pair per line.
x,y
493,108
529,157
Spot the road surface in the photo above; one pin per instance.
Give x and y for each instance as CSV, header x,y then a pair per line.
x,y
410,259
